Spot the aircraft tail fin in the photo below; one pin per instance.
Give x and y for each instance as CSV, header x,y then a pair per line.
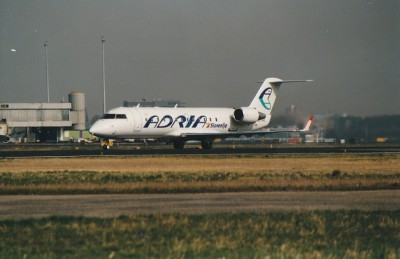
x,y
266,95
308,125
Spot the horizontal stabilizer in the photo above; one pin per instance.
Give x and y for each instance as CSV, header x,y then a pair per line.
x,y
279,81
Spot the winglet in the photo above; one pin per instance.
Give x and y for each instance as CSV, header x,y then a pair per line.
x,y
308,125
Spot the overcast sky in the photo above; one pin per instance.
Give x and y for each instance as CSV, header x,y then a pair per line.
x,y
205,53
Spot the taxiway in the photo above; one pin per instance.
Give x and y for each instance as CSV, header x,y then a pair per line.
x,y
55,150
38,206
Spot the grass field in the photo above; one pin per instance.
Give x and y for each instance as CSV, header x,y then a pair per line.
x,y
176,174
350,163
321,234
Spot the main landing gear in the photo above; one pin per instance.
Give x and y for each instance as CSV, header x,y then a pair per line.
x,y
180,143
206,143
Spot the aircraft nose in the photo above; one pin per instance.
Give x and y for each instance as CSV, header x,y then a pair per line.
x,y
92,131
102,129
95,129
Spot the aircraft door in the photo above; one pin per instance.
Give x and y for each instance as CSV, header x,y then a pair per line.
x,y
137,121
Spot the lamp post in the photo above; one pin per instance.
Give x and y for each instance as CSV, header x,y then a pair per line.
x,y
47,72
104,77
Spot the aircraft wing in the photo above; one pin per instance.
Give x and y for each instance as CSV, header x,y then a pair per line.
x,y
196,136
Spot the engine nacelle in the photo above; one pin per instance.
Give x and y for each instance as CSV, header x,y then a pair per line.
x,y
247,115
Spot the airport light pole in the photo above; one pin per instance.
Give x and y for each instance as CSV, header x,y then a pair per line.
x,y
47,72
104,78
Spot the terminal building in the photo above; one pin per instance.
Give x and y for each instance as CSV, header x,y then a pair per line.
x,y
40,122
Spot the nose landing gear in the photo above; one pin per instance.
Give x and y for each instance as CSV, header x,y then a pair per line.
x,y
106,144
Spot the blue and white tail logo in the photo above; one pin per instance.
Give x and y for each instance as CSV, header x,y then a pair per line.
x,y
264,98
266,95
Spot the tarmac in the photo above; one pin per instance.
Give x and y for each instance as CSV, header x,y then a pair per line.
x,y
57,150
39,206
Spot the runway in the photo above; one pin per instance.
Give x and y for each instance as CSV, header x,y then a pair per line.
x,y
31,206
54,150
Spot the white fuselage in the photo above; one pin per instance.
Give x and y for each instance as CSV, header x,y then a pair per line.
x,y
157,122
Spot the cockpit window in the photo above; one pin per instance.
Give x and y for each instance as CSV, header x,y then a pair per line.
x,y
108,116
121,116
114,116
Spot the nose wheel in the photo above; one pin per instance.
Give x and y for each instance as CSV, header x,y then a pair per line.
x,y
106,144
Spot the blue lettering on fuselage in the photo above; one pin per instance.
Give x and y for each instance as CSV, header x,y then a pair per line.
x,y
191,119
152,120
180,120
200,120
165,122
183,122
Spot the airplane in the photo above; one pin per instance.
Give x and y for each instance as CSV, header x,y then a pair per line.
x,y
182,124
